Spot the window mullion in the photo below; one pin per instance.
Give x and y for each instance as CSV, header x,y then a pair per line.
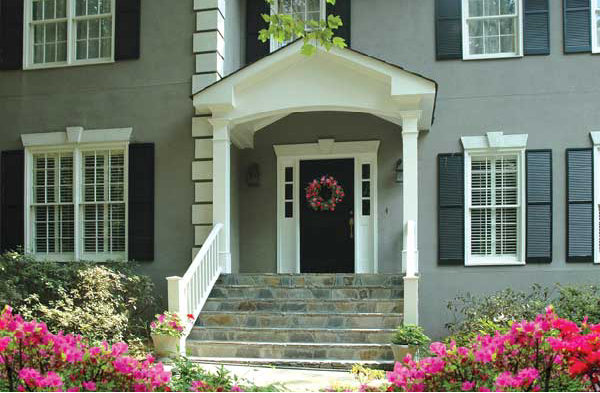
x,y
493,203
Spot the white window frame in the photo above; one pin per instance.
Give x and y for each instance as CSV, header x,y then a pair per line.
x,y
76,141
596,171
71,20
595,13
494,145
275,10
465,35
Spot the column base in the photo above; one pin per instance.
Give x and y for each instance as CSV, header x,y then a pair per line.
x,y
411,300
225,259
405,257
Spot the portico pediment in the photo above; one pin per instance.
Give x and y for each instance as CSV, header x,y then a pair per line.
x,y
339,80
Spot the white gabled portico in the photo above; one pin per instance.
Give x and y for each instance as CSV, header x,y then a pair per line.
x,y
233,109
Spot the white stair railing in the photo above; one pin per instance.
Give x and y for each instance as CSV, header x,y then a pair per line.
x,y
188,294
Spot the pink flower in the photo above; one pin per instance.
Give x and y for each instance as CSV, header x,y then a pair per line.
x,y
89,386
467,386
4,341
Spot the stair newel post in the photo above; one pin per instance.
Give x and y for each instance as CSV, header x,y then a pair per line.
x,y
177,302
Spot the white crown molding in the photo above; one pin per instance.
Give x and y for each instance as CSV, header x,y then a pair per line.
x,y
76,135
494,140
595,137
327,146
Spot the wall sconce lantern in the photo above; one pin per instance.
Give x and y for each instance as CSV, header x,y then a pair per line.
x,y
399,172
253,175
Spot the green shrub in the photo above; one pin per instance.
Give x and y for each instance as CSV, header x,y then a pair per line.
x,y
486,314
185,373
107,301
410,335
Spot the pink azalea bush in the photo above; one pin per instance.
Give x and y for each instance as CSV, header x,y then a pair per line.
x,y
546,354
34,359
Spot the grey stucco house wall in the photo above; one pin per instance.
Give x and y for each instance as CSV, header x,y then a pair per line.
x,y
552,98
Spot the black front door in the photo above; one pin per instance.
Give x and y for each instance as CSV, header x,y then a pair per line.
x,y
326,237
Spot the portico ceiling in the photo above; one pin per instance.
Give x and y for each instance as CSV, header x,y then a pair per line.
x,y
339,80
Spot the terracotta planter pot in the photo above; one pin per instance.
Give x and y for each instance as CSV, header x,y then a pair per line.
x,y
165,345
400,351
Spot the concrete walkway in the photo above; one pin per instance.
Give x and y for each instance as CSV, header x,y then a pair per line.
x,y
295,380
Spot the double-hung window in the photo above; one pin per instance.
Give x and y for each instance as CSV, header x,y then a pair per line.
x,y
68,32
492,28
77,203
595,26
495,207
305,10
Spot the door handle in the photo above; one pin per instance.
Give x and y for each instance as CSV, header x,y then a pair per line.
x,y
351,223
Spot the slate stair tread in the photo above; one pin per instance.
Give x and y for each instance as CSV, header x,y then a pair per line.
x,y
293,313
366,330
279,344
337,364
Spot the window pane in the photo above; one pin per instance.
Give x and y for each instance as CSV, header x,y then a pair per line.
x,y
476,28
366,171
476,46
38,54
80,6
481,232
491,27
506,231
366,207
507,26
289,174
61,8
81,51
51,32
289,209
491,7
492,45
93,49
38,34
94,29
61,32
106,27
105,6
475,7
298,6
49,9
93,7
366,189
106,48
507,44
37,10
289,192
507,7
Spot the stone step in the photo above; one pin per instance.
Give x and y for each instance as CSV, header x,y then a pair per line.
x,y
305,305
334,292
311,280
301,319
324,364
248,349
286,335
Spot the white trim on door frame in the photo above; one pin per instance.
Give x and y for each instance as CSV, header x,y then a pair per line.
x,y
288,229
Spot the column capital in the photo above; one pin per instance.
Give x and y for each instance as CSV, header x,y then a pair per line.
x,y
410,121
221,129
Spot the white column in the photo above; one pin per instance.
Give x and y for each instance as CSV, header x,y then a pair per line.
x,y
410,205
222,187
410,135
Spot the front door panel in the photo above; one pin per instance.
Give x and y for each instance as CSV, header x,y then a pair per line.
x,y
326,237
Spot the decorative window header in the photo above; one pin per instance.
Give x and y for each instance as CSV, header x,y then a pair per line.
x,y
494,140
76,135
595,137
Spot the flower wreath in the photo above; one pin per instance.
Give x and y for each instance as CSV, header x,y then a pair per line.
x,y
316,187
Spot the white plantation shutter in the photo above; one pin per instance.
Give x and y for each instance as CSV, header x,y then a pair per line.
x,y
103,205
53,207
494,206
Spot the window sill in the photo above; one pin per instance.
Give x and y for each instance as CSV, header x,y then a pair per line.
x,y
67,65
492,57
494,262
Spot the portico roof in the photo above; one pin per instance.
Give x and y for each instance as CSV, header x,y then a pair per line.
x,y
286,81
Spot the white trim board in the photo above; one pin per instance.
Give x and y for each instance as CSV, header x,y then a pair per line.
x,y
365,227
76,135
595,135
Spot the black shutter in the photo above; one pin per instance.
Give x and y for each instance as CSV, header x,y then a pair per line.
x,y
255,49
451,215
536,31
127,29
448,29
141,202
12,200
580,205
11,34
539,206
576,26
342,8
